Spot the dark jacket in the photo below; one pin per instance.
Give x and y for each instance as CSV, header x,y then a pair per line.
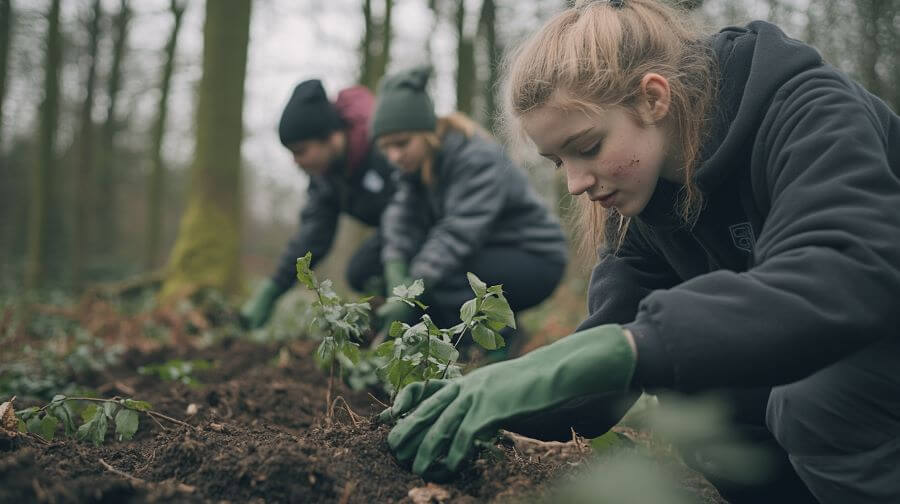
x,y
794,262
479,199
359,185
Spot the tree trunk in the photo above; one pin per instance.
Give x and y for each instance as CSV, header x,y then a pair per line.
x,y
487,25
384,56
83,196
106,183
39,208
465,69
436,17
206,252
365,49
158,175
6,203
375,48
5,31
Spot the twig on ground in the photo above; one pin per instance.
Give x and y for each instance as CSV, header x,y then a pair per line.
x,y
133,479
356,419
348,491
378,400
138,482
170,419
161,426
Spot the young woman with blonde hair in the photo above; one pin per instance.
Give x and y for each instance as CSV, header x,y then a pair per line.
x,y
744,195
461,205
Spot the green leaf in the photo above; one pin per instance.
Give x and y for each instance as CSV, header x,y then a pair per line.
x,y
109,409
478,287
22,427
351,351
326,349
63,411
27,413
443,350
416,289
126,424
487,338
495,324
457,329
397,328
33,425
401,291
94,430
137,405
398,371
326,290
385,349
48,427
497,309
304,273
88,413
467,311
610,442
432,328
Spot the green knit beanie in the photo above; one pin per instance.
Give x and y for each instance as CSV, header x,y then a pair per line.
x,y
403,103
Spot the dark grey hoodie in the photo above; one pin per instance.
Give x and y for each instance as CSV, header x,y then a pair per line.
x,y
794,262
480,199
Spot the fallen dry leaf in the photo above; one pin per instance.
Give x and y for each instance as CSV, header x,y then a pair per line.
x,y
428,494
8,420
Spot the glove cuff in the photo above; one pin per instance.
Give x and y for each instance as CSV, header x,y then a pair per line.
x,y
395,273
583,359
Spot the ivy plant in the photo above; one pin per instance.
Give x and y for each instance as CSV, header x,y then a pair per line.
x,y
341,323
424,351
95,418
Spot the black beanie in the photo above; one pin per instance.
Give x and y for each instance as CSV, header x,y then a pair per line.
x,y
308,114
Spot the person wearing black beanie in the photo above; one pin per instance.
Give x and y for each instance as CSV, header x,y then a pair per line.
x,y
330,143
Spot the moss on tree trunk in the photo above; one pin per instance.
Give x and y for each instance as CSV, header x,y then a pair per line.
x,y
206,252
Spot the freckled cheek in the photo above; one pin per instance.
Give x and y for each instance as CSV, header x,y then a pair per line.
x,y
623,168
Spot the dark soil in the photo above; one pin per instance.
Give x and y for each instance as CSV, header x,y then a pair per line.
x,y
259,434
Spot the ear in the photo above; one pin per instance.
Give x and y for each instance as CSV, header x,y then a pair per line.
x,y
338,140
655,98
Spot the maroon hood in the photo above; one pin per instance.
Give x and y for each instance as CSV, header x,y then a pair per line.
x,y
355,105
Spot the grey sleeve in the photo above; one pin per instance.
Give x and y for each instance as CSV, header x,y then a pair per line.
x,y
475,194
402,223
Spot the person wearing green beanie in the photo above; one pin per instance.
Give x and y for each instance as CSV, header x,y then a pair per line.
x,y
330,142
461,206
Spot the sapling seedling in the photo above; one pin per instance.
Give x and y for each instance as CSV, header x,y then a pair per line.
x,y
423,351
95,418
340,322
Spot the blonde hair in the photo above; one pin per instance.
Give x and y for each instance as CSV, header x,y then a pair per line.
x,y
594,55
455,121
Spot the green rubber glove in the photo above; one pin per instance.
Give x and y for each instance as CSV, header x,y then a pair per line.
x,y
396,272
446,417
257,310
